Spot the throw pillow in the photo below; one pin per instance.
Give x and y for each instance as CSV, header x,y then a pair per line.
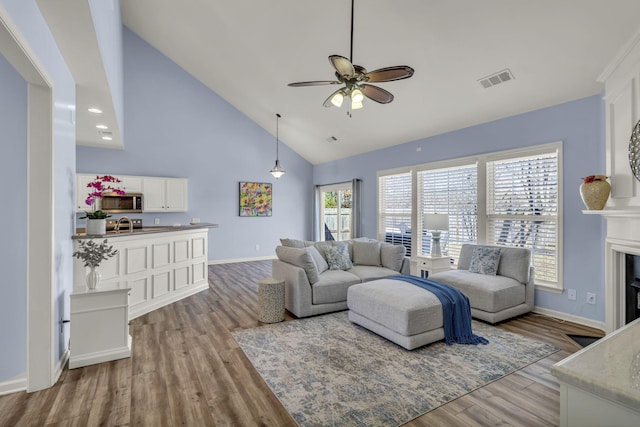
x,y
392,256
321,264
322,247
366,253
338,258
301,258
485,260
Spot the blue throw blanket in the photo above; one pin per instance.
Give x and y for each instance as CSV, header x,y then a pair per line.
x,y
455,308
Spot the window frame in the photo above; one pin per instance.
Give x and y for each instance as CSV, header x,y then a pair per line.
x,y
482,231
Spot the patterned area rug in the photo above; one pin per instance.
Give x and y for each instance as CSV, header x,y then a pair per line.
x,y
327,371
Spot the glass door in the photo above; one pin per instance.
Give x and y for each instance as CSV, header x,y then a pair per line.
x,y
336,211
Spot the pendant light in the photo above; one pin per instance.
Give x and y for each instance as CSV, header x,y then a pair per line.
x,y
277,170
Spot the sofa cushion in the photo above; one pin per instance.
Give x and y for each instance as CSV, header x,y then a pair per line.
x,y
293,243
514,262
399,306
486,293
369,272
366,253
321,264
485,260
301,258
392,256
332,286
338,258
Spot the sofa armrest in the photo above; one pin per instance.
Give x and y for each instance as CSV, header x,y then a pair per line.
x,y
406,266
298,296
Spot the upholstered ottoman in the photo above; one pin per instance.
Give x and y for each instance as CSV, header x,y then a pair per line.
x,y
398,311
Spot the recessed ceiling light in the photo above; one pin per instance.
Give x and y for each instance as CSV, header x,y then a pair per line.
x,y
95,110
102,126
107,138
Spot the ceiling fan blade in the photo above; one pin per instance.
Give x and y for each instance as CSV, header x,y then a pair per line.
x,y
315,83
377,94
328,103
343,66
389,74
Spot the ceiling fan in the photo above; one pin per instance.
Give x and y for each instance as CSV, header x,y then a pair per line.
x,y
356,79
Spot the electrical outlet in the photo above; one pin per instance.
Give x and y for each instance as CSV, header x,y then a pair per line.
x,y
257,247
571,294
156,221
591,298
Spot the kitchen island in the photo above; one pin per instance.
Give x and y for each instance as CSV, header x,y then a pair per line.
x,y
159,265
600,384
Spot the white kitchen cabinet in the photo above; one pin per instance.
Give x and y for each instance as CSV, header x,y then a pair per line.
x,y
159,268
160,194
130,184
164,194
99,325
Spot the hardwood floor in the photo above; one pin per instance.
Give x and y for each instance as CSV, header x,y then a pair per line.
x,y
186,369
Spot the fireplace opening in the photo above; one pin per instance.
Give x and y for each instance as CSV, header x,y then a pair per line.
x,y
632,287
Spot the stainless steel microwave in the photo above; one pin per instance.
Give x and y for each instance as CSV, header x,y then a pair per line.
x,y
127,203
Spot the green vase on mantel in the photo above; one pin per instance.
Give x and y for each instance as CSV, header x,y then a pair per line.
x,y
595,193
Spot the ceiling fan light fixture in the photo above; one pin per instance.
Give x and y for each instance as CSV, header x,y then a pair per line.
x,y
356,97
356,79
337,99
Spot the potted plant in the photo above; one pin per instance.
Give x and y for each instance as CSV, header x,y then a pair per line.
x,y
96,218
92,254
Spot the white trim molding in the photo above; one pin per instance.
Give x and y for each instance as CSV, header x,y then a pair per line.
x,y
234,260
14,385
570,318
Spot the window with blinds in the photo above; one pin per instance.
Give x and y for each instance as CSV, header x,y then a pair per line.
x,y
394,209
522,209
453,191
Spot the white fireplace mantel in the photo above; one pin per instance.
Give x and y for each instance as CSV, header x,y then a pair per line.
x,y
623,237
621,213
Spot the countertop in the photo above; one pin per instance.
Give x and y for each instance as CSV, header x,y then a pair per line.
x,y
609,368
80,234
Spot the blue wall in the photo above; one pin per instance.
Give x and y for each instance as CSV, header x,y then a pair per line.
x,y
177,127
13,246
579,124
35,33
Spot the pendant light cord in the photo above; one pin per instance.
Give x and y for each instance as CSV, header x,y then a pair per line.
x,y
277,134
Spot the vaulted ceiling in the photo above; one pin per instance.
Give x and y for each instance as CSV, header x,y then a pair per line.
x,y
248,51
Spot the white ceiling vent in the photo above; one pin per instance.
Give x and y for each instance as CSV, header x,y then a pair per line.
x,y
496,78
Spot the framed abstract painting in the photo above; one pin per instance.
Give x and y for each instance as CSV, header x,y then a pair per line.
x,y
255,198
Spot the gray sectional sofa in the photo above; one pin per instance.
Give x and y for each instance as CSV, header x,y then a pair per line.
x,y
311,285
499,296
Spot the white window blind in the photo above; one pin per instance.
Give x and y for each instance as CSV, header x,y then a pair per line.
x,y
453,191
394,209
522,209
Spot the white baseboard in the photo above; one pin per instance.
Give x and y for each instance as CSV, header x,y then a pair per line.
x,y
231,261
61,364
570,318
14,385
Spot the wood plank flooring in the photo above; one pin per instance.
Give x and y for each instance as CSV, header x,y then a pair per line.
x,y
186,369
